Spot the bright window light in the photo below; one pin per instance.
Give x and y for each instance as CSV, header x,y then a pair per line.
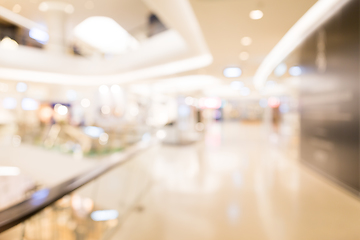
x,y
39,35
295,71
29,104
9,171
105,34
104,215
256,14
232,72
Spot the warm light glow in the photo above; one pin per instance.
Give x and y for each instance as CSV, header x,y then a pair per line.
x,y
61,109
16,8
104,34
232,72
246,41
244,56
256,14
105,109
8,44
4,87
103,139
274,102
9,171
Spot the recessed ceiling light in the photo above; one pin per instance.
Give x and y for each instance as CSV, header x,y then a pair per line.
x,y
256,14
16,8
295,71
232,72
244,56
280,69
246,41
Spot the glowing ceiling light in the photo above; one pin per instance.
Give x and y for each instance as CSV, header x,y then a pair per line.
x,y
29,104
232,72
244,56
256,14
161,134
85,103
61,109
280,69
71,95
103,89
295,71
9,44
104,215
104,34
246,41
21,87
16,8
39,35
115,89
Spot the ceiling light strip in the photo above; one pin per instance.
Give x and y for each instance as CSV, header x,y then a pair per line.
x,y
307,24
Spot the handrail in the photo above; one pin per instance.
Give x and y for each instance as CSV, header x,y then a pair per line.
x,y
41,199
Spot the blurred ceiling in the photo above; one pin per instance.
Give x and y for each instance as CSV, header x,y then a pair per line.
x,y
225,22
129,14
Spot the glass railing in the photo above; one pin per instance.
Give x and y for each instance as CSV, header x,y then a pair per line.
x,y
89,206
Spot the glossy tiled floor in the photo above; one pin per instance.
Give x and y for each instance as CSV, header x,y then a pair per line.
x,y
240,183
